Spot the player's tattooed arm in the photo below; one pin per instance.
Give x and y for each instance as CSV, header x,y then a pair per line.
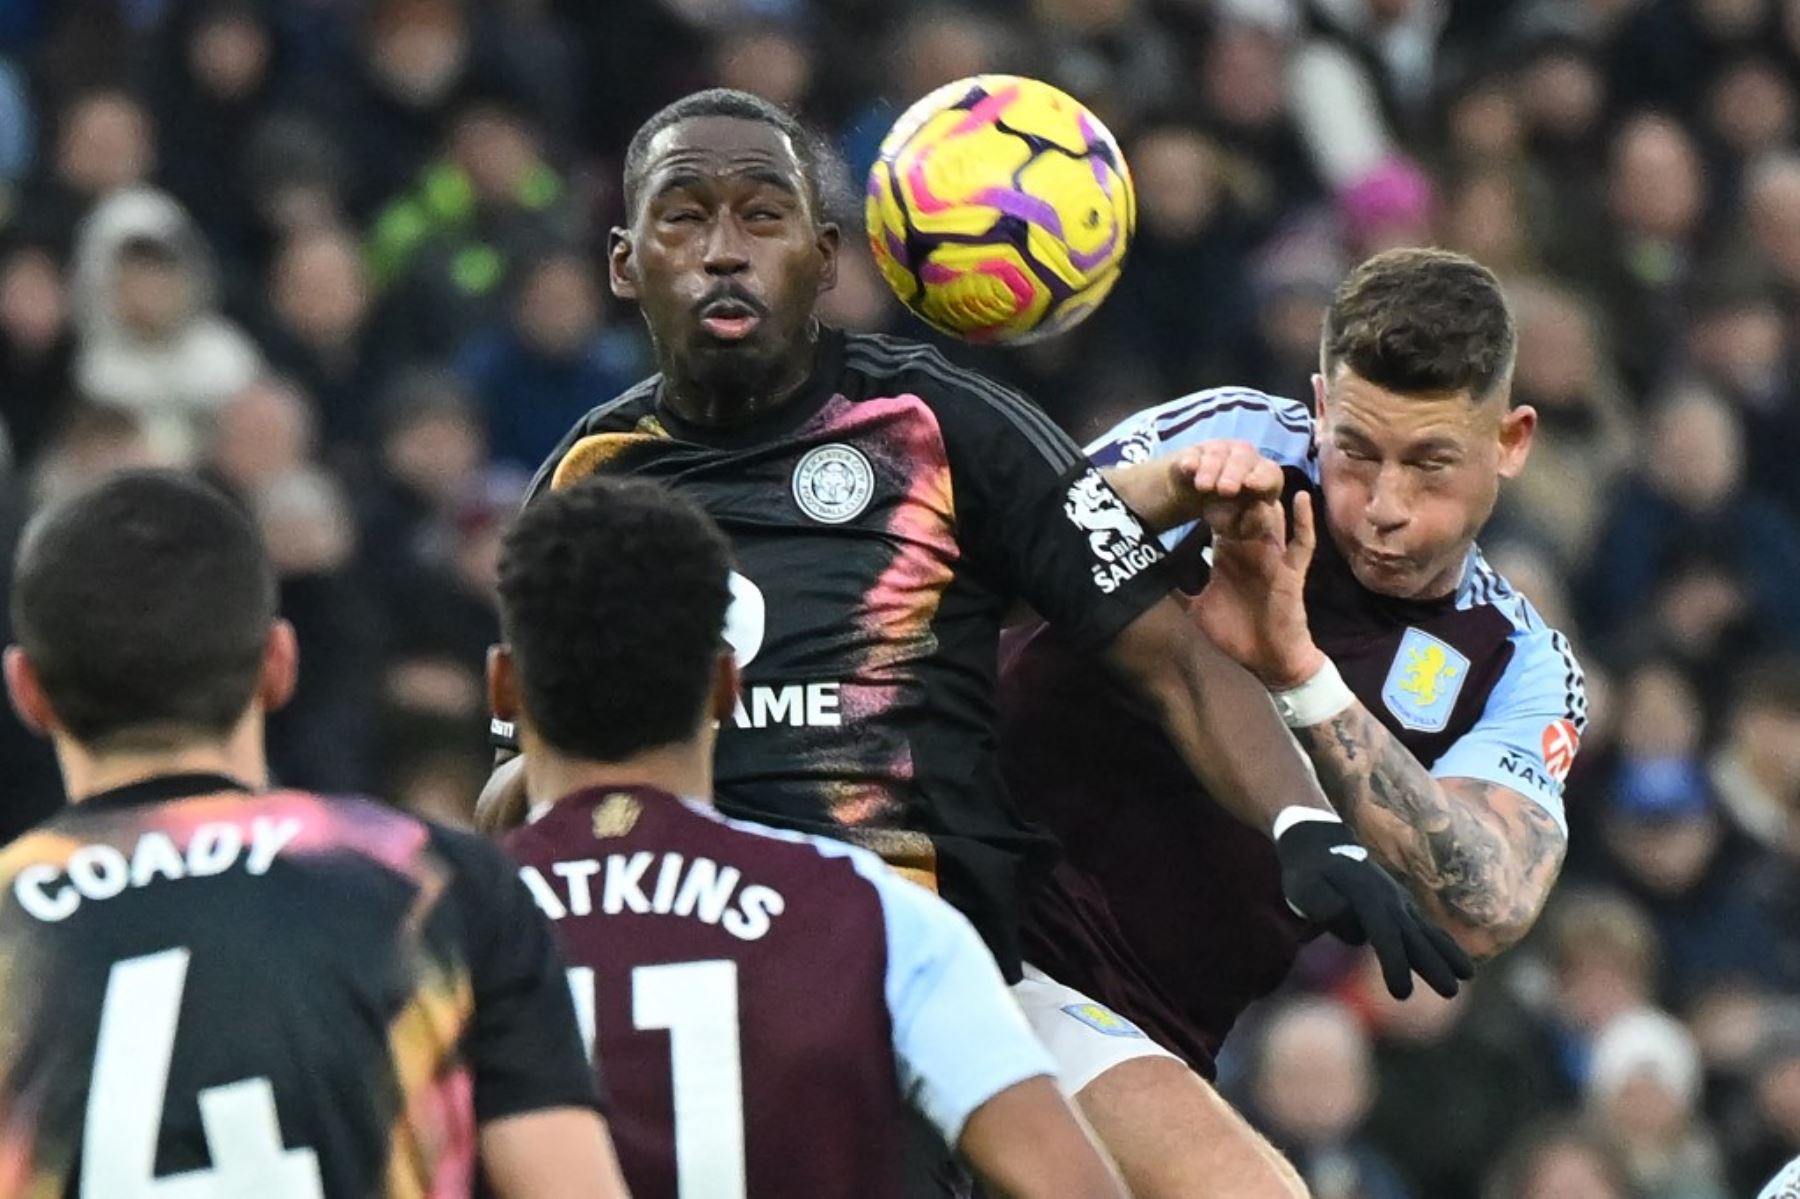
x,y
1479,857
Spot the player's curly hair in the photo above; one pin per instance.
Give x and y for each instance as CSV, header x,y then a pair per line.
x,y
818,162
613,595
144,604
1422,322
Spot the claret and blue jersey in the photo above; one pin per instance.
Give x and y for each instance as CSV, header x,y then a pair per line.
x,y
1170,909
1475,684
768,1004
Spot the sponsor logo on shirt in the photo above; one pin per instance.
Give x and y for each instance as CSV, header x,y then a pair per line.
x,y
1114,535
1422,684
765,705
1103,1020
1561,740
745,620
1521,767
796,705
834,483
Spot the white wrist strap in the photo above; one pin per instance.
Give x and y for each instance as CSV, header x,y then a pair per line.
x,y
1316,700
1295,813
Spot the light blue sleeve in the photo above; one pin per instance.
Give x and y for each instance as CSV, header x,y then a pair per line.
x,y
1281,429
959,1036
1785,1185
1528,734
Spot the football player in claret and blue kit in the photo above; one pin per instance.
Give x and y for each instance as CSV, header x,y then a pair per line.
x,y
767,1003
887,510
1441,713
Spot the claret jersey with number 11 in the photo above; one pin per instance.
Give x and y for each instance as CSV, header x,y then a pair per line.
x,y
769,1005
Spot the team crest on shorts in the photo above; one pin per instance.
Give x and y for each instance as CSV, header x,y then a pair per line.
x,y
834,483
1424,681
1102,1020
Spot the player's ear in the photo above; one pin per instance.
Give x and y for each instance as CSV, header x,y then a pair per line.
x,y
1318,386
726,681
618,263
280,667
830,241
502,683
1517,428
27,693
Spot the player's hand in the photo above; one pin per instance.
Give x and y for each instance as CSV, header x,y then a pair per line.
x,y
1236,490
1254,605
1332,881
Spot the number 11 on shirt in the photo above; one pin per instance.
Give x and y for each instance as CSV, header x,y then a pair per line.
x,y
696,1003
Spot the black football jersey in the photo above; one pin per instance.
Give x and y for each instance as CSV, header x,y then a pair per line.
x,y
209,993
884,524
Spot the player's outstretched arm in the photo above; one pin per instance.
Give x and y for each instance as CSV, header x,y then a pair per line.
x,y
563,1153
1216,714
1028,1143
1478,856
1225,726
1210,479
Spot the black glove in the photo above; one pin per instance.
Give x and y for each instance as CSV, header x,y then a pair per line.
x,y
1330,880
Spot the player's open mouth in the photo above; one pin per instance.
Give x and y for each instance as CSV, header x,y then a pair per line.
x,y
729,320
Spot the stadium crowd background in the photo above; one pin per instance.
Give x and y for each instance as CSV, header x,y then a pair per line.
x,y
344,256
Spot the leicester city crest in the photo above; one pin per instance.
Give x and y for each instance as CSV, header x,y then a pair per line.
x,y
1423,682
834,483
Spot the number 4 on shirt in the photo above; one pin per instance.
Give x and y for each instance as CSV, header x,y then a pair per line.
x,y
129,1088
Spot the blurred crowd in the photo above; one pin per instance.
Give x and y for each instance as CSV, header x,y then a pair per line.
x,y
345,258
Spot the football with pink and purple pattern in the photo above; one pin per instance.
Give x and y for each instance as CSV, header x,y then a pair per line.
x,y
1000,209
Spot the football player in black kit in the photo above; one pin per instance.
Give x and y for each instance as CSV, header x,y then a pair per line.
x,y
209,989
888,510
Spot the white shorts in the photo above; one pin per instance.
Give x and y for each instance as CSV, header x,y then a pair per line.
x,y
1085,1038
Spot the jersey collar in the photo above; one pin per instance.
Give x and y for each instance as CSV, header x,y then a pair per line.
x,y
594,796
820,386
163,788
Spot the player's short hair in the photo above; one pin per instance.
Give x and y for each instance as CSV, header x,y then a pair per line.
x,y
1422,322
144,604
612,598
818,163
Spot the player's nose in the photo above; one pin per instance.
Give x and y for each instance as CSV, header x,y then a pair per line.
x,y
1388,509
727,250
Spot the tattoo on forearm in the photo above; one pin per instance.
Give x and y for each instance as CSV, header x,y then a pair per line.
x,y
1474,854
